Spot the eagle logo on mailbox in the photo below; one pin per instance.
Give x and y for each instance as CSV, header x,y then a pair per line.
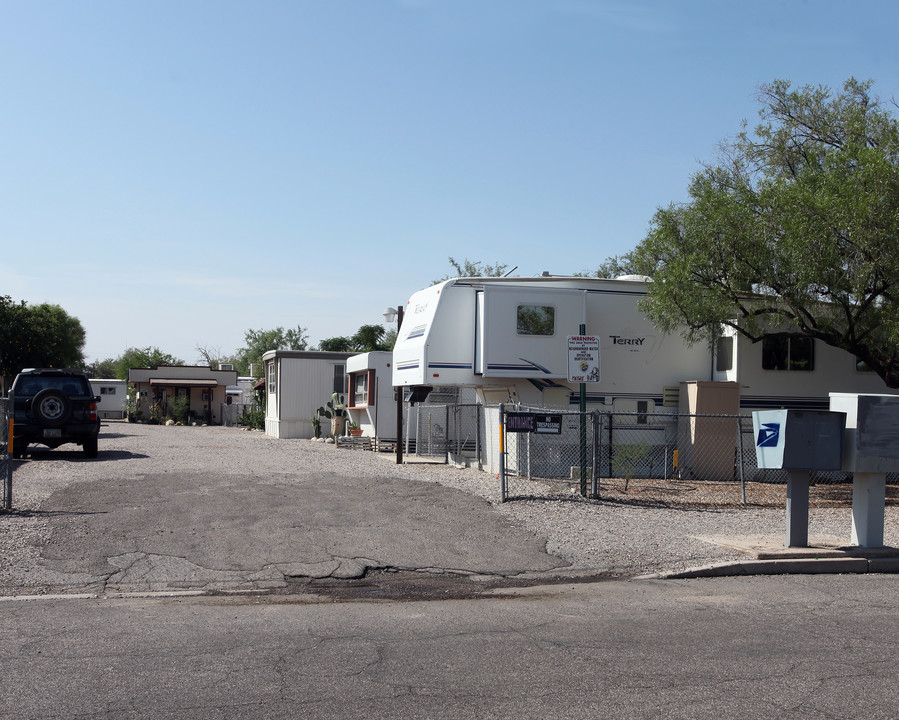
x,y
769,435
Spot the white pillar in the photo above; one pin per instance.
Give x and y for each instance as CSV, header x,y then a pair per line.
x,y
868,502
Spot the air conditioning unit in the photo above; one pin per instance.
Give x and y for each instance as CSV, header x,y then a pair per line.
x,y
671,396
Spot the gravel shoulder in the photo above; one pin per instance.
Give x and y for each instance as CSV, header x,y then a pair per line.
x,y
656,527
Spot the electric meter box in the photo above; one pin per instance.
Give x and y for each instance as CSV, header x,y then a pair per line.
x,y
798,439
871,440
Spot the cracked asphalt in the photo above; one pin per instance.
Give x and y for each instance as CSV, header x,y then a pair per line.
x,y
117,528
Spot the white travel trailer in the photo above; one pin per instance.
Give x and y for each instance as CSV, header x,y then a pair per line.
x,y
508,337
112,394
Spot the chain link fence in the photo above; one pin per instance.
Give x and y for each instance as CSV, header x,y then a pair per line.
x,y
545,452
238,414
451,432
5,458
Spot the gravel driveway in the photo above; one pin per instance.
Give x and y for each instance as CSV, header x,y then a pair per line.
x,y
625,534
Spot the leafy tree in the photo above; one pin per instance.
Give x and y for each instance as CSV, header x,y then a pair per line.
x,y
366,339
470,268
795,230
107,368
335,344
148,357
261,341
42,335
613,267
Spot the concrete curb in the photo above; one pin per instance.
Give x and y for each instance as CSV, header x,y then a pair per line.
x,y
788,566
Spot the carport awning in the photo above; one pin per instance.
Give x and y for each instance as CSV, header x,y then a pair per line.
x,y
178,382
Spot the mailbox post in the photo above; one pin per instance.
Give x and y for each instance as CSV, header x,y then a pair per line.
x,y
870,451
798,441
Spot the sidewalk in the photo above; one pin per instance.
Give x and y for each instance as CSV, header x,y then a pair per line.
x,y
765,556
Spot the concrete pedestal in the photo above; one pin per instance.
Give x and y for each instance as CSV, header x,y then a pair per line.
x,y
868,503
797,508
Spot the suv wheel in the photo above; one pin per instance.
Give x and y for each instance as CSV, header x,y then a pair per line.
x,y
51,407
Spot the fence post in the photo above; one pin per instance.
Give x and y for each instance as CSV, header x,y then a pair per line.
x,y
594,488
9,420
740,457
477,437
610,417
502,456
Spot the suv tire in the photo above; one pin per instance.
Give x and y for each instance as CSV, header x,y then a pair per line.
x,y
51,407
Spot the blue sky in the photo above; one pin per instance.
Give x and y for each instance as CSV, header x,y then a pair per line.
x,y
175,172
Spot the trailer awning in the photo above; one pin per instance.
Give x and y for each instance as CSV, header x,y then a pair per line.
x,y
178,382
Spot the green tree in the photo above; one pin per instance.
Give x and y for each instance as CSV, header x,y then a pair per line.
x,y
107,368
335,344
42,335
795,230
366,339
471,268
613,267
261,341
148,357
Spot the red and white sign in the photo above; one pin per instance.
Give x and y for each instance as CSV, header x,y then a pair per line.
x,y
583,358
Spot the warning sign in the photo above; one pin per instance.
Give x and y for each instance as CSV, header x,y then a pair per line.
x,y
583,358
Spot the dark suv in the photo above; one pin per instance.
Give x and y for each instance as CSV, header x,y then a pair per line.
x,y
54,406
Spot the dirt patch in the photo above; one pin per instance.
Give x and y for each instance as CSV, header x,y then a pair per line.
x,y
409,585
698,494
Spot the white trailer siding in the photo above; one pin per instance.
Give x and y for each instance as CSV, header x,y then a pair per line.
x,y
112,394
834,370
370,397
466,332
302,381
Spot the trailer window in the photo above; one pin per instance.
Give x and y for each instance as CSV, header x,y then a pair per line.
x,y
536,320
724,354
272,378
781,352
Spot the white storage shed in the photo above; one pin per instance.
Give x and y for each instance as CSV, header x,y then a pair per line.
x,y
297,383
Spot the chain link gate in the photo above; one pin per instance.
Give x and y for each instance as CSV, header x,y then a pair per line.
x,y
449,432
5,457
544,457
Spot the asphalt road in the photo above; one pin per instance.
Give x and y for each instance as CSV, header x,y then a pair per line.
x,y
222,593
754,647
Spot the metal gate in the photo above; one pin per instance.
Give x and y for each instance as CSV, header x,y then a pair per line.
x,y
449,430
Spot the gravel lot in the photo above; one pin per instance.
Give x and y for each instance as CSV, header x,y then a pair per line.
x,y
649,528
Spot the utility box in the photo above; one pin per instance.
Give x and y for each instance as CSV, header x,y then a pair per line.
x,y
871,440
798,439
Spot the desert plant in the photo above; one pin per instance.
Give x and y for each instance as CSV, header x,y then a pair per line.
x,y
253,417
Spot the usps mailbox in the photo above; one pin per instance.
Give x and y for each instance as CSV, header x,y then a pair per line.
x,y
870,450
798,441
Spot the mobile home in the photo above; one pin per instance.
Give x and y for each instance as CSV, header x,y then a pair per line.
x,y
297,383
112,394
370,396
508,337
204,388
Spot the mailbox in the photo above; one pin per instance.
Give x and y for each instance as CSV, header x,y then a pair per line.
x,y
799,439
871,441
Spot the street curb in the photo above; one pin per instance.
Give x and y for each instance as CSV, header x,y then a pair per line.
x,y
791,566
